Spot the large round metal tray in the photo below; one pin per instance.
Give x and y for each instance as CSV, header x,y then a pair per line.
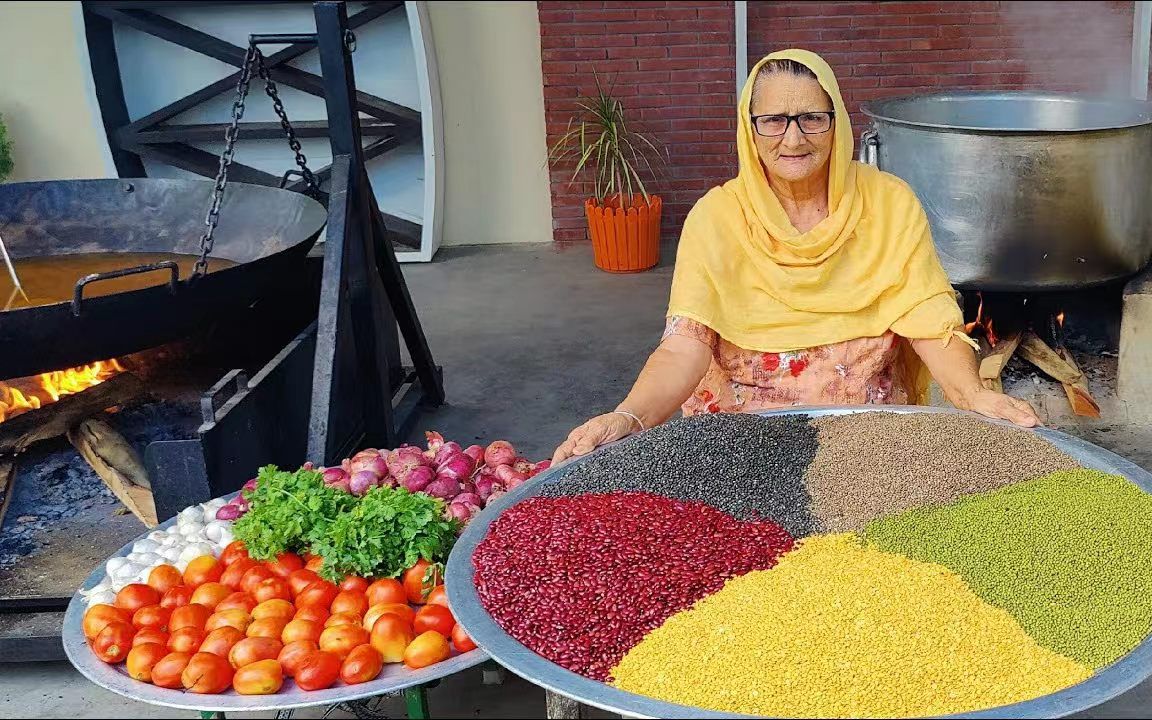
x,y
393,678
1113,680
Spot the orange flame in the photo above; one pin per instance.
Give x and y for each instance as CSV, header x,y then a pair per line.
x,y
1060,319
51,386
980,322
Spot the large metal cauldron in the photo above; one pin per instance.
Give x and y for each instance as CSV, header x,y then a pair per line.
x,y
1024,191
266,231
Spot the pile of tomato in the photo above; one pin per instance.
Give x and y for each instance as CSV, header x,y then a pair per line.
x,y
233,622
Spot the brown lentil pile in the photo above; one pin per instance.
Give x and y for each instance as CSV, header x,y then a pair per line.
x,y
873,464
839,629
580,580
748,466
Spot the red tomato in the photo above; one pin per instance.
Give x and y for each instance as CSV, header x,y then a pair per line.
x,y
211,594
342,619
204,569
234,573
163,578
141,660
235,618
436,618
114,642
135,596
150,635
419,581
427,649
193,616
387,590
176,597
312,612
186,639
269,627
152,616
221,641
237,601
391,635
461,640
340,639
250,650
264,677
253,577
300,629
272,589
166,673
320,593
362,664
402,610
207,674
236,550
274,608
318,671
294,654
301,579
355,583
97,617
315,563
351,602
285,564
438,596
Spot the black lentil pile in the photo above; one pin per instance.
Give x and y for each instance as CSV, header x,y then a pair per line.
x,y
748,466
874,464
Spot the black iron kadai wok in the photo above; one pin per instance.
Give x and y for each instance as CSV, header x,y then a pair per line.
x,y
264,235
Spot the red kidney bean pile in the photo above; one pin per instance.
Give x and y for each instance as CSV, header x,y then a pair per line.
x,y
581,579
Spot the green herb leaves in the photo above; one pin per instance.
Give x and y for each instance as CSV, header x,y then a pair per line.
x,y
378,535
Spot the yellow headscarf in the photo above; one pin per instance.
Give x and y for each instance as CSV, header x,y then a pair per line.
x,y
743,270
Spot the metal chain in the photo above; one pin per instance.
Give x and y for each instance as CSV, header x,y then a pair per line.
x,y
207,240
278,106
253,57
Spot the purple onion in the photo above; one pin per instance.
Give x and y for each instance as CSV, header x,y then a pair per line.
x,y
334,475
522,465
361,481
401,461
417,479
540,467
458,467
458,511
476,452
506,473
250,485
517,481
467,486
486,485
442,487
468,498
445,451
228,512
386,481
241,502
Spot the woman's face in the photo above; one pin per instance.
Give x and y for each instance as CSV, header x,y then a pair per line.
x,y
793,156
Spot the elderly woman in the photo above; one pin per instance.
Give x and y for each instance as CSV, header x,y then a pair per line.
x,y
809,279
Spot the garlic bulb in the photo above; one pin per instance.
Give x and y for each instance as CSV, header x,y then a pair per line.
x,y
126,572
189,515
158,536
172,553
148,560
115,564
104,597
145,546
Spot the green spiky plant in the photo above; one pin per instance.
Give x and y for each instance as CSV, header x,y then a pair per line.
x,y
602,146
5,152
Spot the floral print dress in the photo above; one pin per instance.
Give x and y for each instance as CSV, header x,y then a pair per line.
x,y
854,372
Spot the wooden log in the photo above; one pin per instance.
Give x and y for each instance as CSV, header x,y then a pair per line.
x,y
7,486
1081,400
993,360
118,466
1037,352
50,421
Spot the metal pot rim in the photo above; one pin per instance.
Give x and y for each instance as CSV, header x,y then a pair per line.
x,y
886,110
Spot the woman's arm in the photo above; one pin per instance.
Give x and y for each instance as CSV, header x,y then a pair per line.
x,y
954,368
669,376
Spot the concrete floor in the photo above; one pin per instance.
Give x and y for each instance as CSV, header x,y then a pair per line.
x,y
532,340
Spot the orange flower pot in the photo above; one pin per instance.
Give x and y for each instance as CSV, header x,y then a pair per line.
x,y
625,240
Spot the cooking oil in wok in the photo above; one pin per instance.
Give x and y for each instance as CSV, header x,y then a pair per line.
x,y
48,280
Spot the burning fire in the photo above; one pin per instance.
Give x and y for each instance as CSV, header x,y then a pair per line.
x,y
984,324
51,386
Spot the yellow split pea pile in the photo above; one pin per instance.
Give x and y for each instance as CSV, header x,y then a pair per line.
x,y
965,589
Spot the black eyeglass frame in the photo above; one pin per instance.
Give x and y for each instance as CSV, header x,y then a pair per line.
x,y
790,118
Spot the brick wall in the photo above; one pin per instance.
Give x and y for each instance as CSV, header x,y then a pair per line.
x,y
672,67
881,49
673,64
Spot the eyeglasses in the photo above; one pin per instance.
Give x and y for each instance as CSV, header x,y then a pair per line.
x,y
810,123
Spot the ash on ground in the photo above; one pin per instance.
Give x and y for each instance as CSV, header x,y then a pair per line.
x,y
54,486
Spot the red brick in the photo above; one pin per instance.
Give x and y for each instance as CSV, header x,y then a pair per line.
x,y
572,5
557,41
648,51
623,40
555,16
701,124
704,75
680,14
573,54
607,15
670,38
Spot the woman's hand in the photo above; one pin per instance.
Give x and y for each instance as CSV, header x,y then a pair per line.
x,y
1004,407
598,431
